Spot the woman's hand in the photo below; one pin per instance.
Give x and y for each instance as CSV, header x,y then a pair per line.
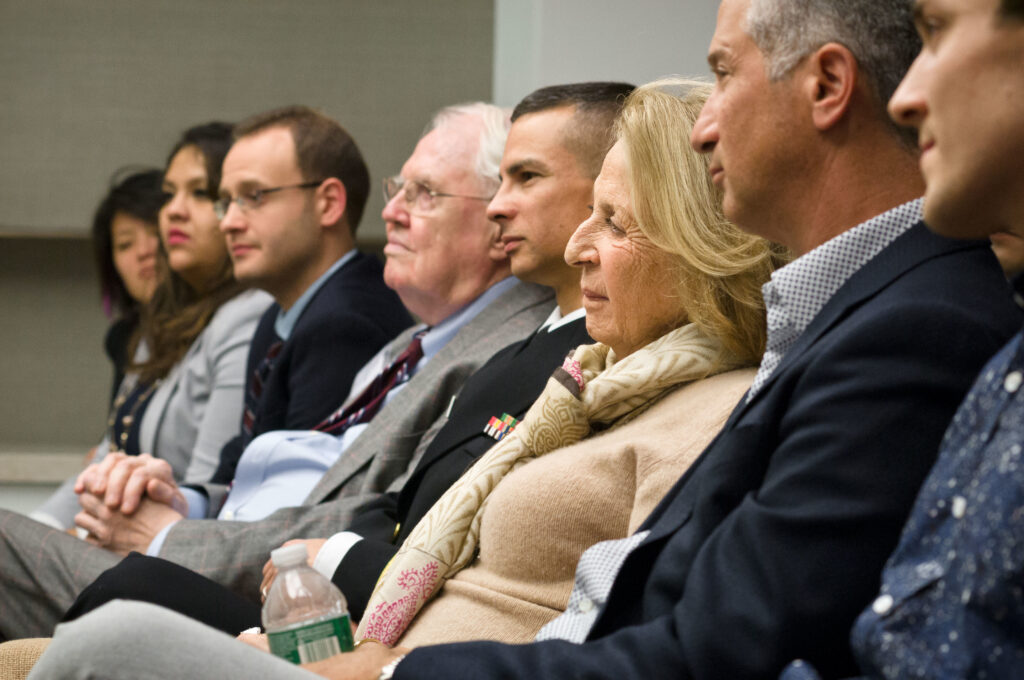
x,y
364,663
257,640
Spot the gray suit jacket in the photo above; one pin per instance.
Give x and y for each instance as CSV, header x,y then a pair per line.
x,y
197,407
233,553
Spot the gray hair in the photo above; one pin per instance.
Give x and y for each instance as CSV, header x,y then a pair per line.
x,y
879,33
496,124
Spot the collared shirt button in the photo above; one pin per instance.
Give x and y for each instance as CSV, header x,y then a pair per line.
x,y
882,604
1013,381
586,605
959,507
228,515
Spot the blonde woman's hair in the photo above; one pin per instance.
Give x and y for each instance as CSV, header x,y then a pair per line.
x,y
721,269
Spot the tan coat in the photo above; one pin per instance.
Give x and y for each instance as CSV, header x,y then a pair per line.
x,y
541,517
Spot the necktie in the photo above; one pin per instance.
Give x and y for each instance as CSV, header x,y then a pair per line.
x,y
365,406
255,391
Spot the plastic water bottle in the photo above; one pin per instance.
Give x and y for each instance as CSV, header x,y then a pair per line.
x,y
305,615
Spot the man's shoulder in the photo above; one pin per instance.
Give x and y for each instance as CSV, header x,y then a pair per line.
x,y
921,258
239,316
356,285
925,278
543,348
926,310
354,294
942,282
518,310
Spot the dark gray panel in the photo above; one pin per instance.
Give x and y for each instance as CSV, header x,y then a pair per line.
x,y
90,86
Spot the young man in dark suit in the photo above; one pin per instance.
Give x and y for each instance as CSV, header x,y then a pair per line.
x,y
292,196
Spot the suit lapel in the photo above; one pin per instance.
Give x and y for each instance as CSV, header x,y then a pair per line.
x,y
915,246
510,385
366,444
158,404
910,249
394,424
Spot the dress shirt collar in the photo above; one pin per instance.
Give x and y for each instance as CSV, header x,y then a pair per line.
x,y
286,320
555,320
797,292
439,335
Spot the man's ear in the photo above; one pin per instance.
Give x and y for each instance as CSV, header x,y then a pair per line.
x,y
830,75
331,199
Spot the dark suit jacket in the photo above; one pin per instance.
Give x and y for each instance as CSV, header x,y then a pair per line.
x,y
344,325
773,541
508,383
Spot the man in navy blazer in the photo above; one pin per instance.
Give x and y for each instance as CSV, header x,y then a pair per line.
x,y
293,194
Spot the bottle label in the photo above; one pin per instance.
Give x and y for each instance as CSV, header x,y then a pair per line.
x,y
314,641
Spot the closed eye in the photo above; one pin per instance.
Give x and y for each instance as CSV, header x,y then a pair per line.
x,y
616,229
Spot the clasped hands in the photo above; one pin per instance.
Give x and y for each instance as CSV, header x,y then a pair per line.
x,y
127,500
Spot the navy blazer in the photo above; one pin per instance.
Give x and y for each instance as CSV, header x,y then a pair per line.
x,y
773,541
344,325
508,383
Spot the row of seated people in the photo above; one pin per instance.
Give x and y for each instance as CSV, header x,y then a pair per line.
x,y
664,509
190,319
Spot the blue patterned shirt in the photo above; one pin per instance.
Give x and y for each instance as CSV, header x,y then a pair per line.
x,y
952,597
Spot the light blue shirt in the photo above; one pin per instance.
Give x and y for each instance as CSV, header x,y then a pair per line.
x,y
285,322
279,469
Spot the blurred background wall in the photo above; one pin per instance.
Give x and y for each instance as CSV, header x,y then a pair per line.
x,y
88,87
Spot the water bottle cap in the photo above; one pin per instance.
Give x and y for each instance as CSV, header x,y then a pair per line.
x,y
289,555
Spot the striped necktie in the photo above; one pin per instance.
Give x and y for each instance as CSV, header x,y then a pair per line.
x,y
365,406
255,391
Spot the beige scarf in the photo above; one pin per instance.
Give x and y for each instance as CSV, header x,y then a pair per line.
x,y
592,390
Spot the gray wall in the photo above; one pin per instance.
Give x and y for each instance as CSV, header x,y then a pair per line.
x,y
546,42
90,86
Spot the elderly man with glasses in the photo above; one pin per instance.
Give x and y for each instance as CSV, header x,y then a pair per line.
x,y
445,261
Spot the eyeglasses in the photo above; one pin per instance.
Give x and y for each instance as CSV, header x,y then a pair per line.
x,y
254,199
418,195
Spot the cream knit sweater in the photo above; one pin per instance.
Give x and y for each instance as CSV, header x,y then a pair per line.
x,y
541,517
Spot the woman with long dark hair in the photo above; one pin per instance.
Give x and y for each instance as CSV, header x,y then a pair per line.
x,y
181,398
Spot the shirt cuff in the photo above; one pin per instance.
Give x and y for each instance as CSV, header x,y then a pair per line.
x,y
334,551
197,501
48,519
158,541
